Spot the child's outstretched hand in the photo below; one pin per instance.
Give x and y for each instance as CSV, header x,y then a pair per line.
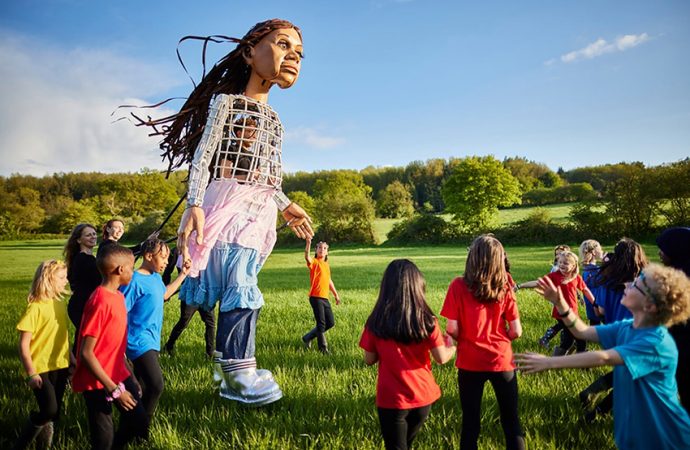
x,y
531,362
186,266
126,401
337,300
546,288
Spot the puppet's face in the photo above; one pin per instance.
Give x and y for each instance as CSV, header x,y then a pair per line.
x,y
277,57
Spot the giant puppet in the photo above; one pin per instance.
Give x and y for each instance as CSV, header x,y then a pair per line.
x,y
232,139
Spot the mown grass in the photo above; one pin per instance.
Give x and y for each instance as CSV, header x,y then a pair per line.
x,y
329,401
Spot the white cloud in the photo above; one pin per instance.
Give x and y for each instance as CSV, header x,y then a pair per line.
x,y
602,47
313,138
55,114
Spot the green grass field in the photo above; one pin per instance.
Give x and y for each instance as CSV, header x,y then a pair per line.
x,y
329,400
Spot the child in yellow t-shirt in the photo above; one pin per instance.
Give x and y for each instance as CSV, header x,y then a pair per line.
x,y
44,350
321,283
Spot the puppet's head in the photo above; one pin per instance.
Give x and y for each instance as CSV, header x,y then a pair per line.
x,y
270,53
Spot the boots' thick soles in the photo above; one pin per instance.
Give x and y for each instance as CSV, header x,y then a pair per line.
x,y
243,383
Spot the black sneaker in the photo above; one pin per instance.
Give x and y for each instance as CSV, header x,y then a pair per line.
x,y
306,342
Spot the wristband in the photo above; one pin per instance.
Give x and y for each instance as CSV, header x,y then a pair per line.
x,y
282,201
28,378
565,314
117,392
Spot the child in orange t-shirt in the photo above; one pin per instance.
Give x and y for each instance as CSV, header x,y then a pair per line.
x,y
399,334
321,283
478,307
101,373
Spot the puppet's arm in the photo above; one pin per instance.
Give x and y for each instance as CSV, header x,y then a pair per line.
x,y
193,218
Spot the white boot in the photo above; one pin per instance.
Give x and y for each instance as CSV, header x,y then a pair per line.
x,y
243,383
217,369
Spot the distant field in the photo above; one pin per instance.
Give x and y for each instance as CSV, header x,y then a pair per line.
x,y
329,401
559,213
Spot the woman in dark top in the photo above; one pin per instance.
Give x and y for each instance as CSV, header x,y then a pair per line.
x,y
82,272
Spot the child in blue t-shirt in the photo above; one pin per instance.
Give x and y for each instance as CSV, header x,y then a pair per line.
x,y
144,298
590,252
646,409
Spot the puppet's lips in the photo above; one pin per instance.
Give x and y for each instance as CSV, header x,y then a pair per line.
x,y
290,69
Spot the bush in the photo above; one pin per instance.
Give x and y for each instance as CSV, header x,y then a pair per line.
x,y
423,228
576,192
590,220
538,227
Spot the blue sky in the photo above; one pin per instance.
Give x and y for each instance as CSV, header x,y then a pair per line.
x,y
384,82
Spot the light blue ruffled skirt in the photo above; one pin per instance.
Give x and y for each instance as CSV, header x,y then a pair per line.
x,y
229,278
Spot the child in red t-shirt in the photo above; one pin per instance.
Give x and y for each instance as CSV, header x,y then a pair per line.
x,y
101,373
399,334
569,281
483,317
321,283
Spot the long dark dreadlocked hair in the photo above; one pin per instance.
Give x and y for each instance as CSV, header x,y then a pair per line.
x,y
182,131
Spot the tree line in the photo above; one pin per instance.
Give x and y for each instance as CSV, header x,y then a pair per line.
x,y
628,197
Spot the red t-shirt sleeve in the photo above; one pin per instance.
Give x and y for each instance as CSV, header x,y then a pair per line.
x,y
367,341
511,310
436,338
450,304
581,283
93,318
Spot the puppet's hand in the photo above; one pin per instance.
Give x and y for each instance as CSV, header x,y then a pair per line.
x,y
298,219
192,220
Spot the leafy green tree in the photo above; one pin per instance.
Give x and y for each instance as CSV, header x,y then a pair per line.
x,y
23,209
75,213
344,208
476,189
672,184
631,201
395,201
530,175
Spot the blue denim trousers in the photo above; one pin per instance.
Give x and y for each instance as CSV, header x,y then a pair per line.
x,y
236,333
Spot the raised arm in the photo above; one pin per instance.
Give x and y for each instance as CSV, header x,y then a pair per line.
x,y
175,285
570,319
307,250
